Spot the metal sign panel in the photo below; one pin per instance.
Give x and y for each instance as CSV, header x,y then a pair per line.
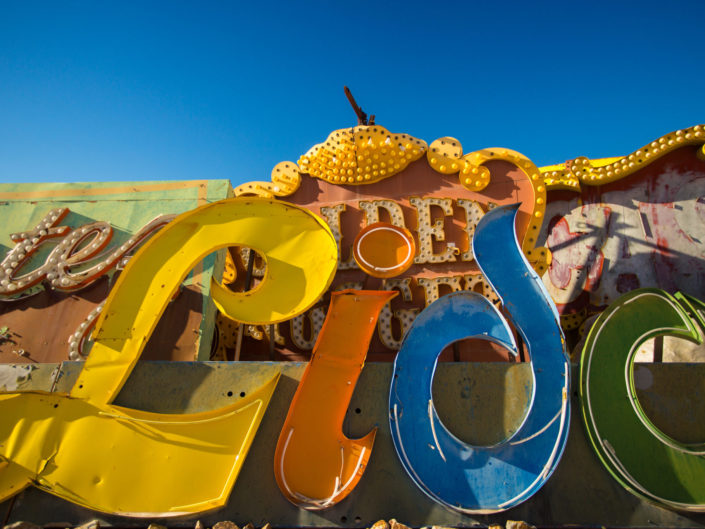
x,y
484,479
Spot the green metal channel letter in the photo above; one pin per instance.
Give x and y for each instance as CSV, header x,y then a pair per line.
x,y
642,458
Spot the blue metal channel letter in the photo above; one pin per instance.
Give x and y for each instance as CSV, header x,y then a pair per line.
x,y
484,479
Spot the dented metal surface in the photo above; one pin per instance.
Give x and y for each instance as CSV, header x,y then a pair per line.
x,y
315,464
644,459
477,401
140,463
484,479
125,461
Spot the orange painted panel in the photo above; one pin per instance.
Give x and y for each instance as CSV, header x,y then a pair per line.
x,y
315,464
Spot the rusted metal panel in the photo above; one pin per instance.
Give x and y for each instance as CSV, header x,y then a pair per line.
x,y
348,208
121,210
40,326
647,230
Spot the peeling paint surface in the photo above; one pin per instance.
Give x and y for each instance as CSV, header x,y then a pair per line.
x,y
646,231
120,209
13,376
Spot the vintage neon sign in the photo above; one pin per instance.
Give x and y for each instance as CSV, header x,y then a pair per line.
x,y
119,339
349,150
56,421
352,173
75,247
139,463
477,479
79,258
646,461
315,465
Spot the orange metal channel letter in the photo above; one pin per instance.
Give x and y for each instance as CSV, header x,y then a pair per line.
x,y
315,465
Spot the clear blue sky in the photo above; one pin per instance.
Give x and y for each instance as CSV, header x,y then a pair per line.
x,y
171,90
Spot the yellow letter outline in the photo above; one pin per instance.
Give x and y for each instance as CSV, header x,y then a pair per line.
x,y
108,458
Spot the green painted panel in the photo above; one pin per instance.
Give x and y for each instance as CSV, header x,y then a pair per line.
x,y
643,458
127,207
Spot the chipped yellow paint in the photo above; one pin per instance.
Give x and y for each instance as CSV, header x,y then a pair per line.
x,y
574,173
112,459
361,155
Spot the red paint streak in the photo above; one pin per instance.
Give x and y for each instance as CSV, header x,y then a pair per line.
x,y
560,269
572,253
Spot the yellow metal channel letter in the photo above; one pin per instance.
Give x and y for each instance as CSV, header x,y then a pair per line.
x,y
84,449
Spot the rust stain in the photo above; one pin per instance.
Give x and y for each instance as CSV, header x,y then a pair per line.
x,y
50,316
508,184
